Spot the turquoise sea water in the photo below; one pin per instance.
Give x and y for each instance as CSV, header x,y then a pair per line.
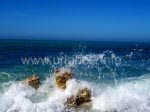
x,y
118,74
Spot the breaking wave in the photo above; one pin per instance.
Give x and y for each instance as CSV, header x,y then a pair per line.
x,y
128,96
113,88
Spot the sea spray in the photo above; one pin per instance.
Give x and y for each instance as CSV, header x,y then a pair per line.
x,y
122,87
126,96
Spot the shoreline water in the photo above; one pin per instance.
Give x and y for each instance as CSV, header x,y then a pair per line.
x,y
119,87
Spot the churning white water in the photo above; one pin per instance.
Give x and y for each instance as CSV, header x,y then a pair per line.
x,y
130,95
127,95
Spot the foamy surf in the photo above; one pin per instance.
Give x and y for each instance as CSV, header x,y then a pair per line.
x,y
128,96
133,96
47,98
113,72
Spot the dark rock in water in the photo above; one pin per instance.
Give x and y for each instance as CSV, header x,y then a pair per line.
x,y
72,101
62,76
84,95
32,81
82,99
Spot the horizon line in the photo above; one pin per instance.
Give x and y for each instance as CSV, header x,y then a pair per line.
x,y
39,39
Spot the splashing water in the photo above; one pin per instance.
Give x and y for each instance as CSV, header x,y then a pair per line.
x,y
119,77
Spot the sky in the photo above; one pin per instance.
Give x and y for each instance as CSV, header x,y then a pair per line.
x,y
104,20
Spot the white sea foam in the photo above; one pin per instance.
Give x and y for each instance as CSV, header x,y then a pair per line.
x,y
132,96
47,98
126,97
62,71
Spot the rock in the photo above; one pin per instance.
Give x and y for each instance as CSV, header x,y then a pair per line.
x,y
82,98
62,76
84,95
32,81
72,101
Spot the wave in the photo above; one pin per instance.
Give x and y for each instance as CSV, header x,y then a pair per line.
x,y
130,93
129,96
126,96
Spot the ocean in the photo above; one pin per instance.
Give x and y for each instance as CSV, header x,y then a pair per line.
x,y
118,74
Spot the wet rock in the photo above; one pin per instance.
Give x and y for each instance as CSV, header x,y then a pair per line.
x,y
83,98
84,95
32,81
62,76
72,101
